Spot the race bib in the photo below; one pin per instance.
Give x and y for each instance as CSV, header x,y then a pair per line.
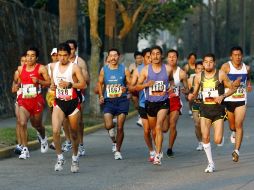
x,y
64,93
114,90
158,89
209,95
175,92
29,91
240,92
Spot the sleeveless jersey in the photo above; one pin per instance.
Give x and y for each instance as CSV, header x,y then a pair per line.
x,y
241,92
177,84
29,88
157,92
199,97
211,88
64,93
191,72
114,80
142,98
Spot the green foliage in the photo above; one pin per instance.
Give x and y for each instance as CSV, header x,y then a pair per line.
x,y
164,16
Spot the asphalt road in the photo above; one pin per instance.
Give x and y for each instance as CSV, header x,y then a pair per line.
x,y
99,170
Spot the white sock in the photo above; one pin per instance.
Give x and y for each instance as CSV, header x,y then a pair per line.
x,y
74,158
208,151
237,151
60,157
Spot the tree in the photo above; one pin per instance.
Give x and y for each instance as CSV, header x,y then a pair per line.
x,y
93,6
68,20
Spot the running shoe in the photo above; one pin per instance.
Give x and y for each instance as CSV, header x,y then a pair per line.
x,y
232,137
139,122
157,159
190,114
59,165
118,155
113,147
52,146
222,142
151,156
18,149
210,168
44,145
74,166
170,153
200,146
235,155
24,153
66,147
81,150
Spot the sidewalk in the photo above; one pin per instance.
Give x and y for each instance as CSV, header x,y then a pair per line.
x,y
7,152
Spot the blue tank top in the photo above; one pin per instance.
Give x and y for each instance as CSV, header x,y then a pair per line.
x,y
142,98
157,92
114,80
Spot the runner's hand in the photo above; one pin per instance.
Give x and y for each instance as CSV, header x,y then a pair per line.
x,y
35,80
101,100
63,84
237,82
190,97
219,99
150,83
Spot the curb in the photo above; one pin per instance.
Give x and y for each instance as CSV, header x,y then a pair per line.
x,y
8,152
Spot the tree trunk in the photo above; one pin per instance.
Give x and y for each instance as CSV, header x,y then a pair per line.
x,y
110,24
68,22
93,6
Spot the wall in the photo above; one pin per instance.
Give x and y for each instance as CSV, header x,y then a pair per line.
x,y
21,28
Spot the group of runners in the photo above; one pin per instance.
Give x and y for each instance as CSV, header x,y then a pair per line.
x,y
155,88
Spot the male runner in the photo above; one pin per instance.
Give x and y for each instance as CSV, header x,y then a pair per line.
x,y
189,68
154,78
138,56
16,89
142,99
114,78
196,105
211,83
81,95
32,77
236,103
175,105
66,79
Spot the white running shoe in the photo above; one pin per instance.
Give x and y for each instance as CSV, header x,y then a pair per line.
x,y
113,147
44,145
210,168
75,166
157,159
81,150
232,137
118,155
24,153
18,149
66,147
200,146
59,165
151,156
222,142
139,122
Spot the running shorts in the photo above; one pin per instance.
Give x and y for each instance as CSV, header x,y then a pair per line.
x,y
116,106
32,105
152,108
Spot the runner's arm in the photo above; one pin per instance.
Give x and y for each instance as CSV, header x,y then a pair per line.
x,y
44,72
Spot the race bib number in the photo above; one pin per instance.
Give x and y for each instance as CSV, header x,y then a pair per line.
x,y
175,92
240,92
64,93
158,89
209,95
114,90
29,91
199,97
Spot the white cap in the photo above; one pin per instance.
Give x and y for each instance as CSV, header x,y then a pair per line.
x,y
54,50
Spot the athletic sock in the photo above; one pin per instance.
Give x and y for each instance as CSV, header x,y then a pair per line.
x,y
74,158
208,151
60,156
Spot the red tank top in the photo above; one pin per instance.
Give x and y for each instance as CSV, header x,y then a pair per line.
x,y
25,75
26,79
